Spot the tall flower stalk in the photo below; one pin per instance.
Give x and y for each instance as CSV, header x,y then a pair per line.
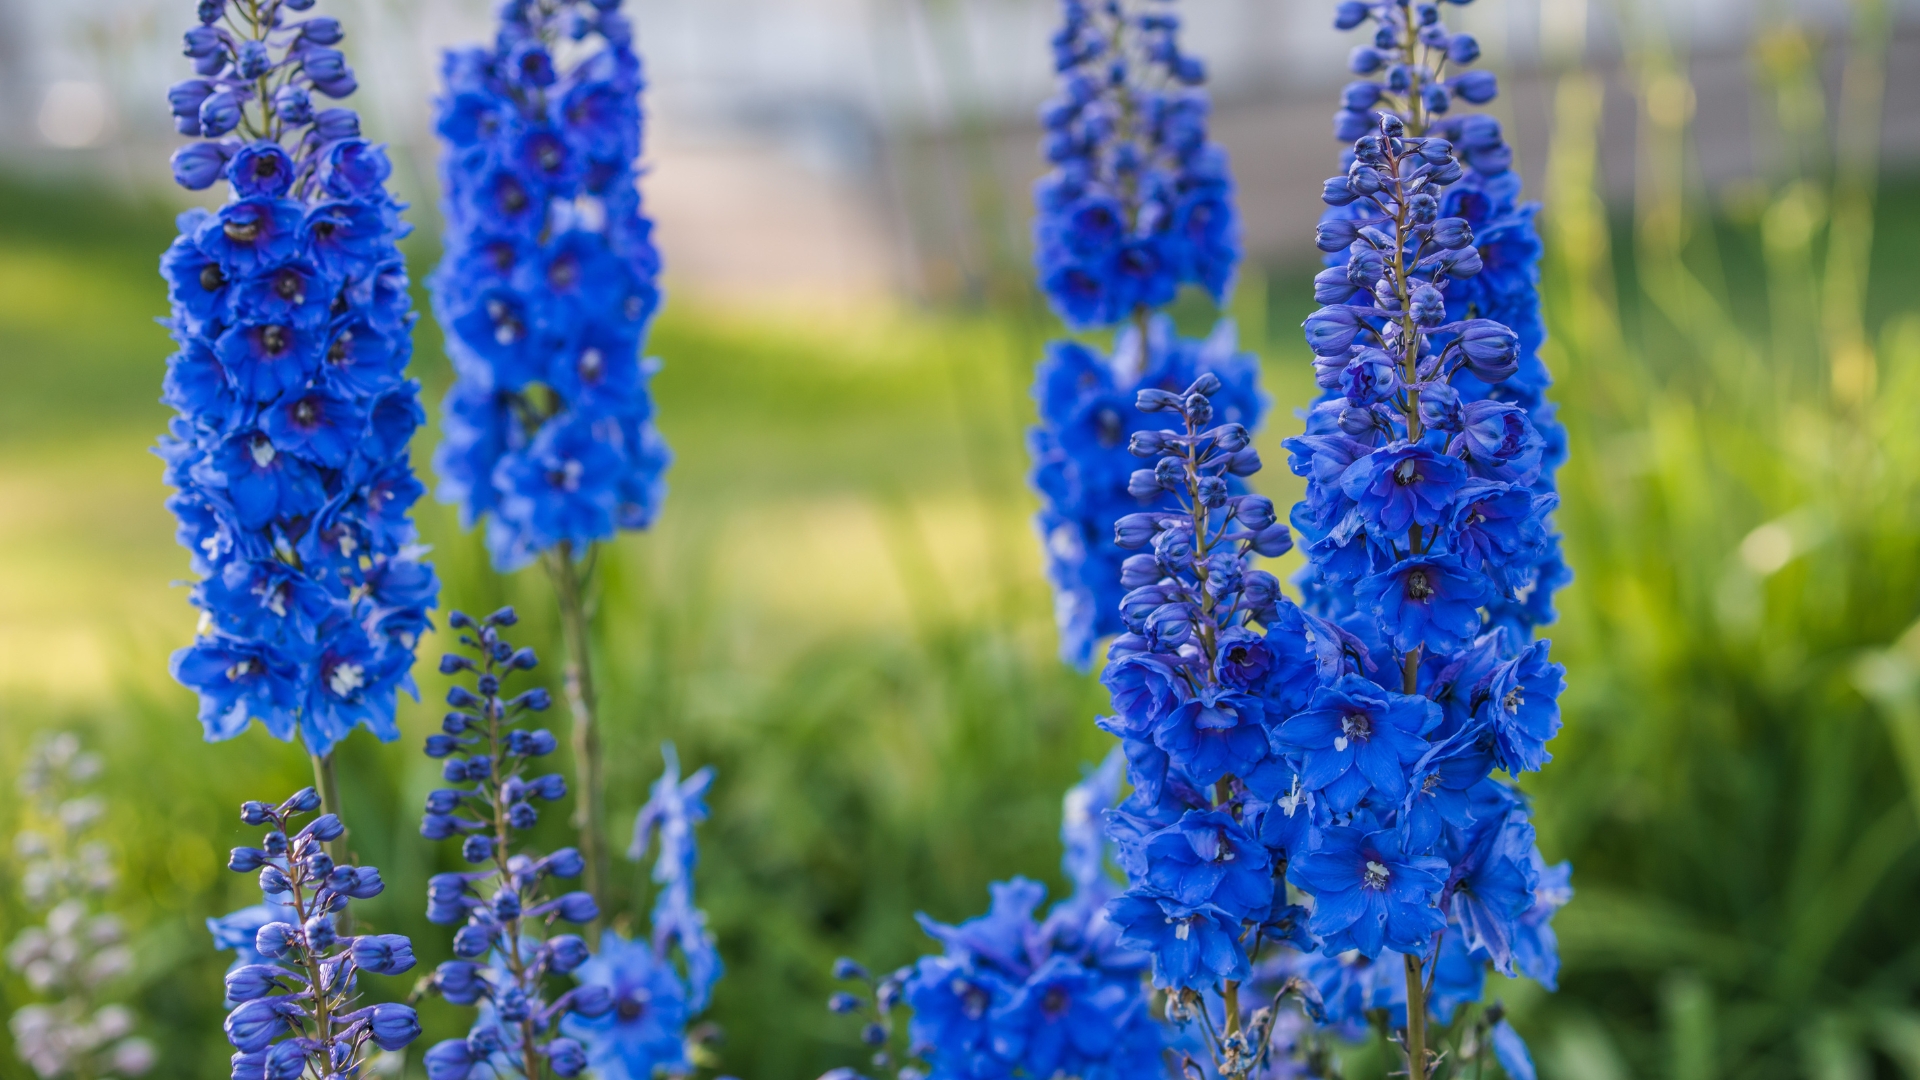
x,y
546,291
1314,813
288,451
1138,204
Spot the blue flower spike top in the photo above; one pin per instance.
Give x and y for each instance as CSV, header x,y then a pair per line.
x,y
1015,993
1137,204
288,450
1314,809
295,998
548,284
507,911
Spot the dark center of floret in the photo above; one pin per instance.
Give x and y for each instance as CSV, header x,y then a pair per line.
x,y
1514,699
1109,428
242,232
273,339
304,412
1357,725
1054,1002
337,352
1418,587
1407,472
564,273
512,197
286,285
630,1008
1375,875
211,279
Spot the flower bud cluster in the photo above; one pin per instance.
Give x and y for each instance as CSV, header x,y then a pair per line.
x,y
504,911
548,284
289,448
1138,203
1139,200
1413,61
296,1010
1016,994
73,954
1082,469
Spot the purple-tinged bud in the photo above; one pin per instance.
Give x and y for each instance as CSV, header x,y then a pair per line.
x,y
273,881
444,801
185,98
874,1034
512,1004
1150,401
439,746
1357,421
459,981
449,1060
1259,590
210,11
322,30
1423,208
201,42
304,801
576,907
255,813
250,981
566,952
383,954
590,1001
320,932
219,113
366,884
551,787
286,1061
472,940
1331,330
331,125
252,60
541,742
453,663
454,771
1136,530
1452,233
535,700
565,1057
1360,96
1138,571
1490,349
1212,491
1463,49
1333,235
506,905
521,660
1229,438
1273,541
195,167
392,1024
318,867
326,828
1331,286
1205,383
255,1024
522,815
506,616
1244,463
462,698
1436,98
274,842
1335,191
1143,484
1197,408
1428,306
563,863
245,860
1253,511
1365,60
477,849
293,105
275,940
1350,14
1476,87
1148,444
479,767
843,1003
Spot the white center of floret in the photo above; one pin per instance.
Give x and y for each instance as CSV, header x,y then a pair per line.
x,y
1375,877
346,678
262,453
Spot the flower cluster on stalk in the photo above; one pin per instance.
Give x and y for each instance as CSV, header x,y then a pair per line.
x,y
74,954
1314,802
295,1006
1016,994
548,283
1138,203
288,452
505,948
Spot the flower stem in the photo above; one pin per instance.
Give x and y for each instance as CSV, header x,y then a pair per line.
x,y
329,785
587,808
1416,1020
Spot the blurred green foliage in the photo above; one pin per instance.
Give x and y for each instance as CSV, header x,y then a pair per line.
x,y
842,611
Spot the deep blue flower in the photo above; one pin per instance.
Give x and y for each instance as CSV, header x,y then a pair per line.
x,y
1192,947
1492,886
1429,601
1353,736
1402,486
1523,707
1207,858
643,1030
1214,734
1368,894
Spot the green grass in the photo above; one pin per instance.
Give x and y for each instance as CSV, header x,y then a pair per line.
x,y
842,611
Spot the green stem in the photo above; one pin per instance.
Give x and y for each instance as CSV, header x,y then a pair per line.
x,y
588,811
1416,1020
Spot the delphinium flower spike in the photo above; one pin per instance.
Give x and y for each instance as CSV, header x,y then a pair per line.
x,y
74,954
1345,748
506,948
288,452
1015,994
1138,203
647,1030
546,291
296,1009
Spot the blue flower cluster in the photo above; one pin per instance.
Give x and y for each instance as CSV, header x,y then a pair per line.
x,y
1015,995
1344,749
548,284
646,1030
1139,201
288,452
505,908
294,999
1081,465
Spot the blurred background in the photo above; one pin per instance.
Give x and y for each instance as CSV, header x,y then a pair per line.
x,y
842,608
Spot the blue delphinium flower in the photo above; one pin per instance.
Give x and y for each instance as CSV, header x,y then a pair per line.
x,y
548,284
294,999
1018,995
1138,202
1350,742
505,948
674,808
288,452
